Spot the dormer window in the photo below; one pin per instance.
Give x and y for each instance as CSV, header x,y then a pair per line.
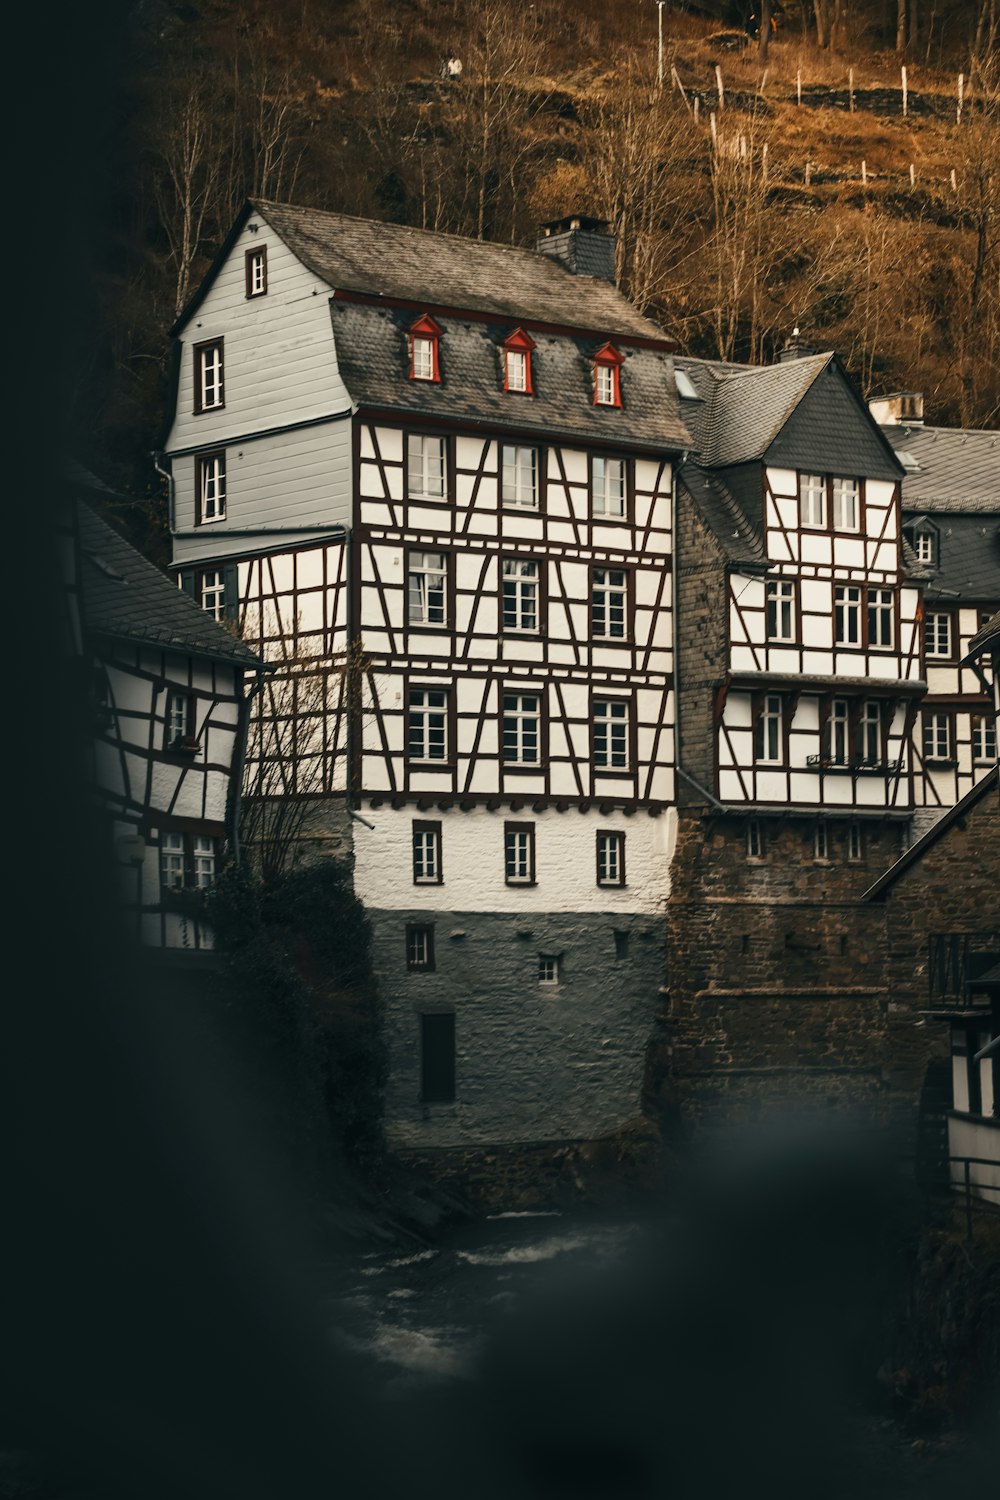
x,y
923,545
924,538
425,357
516,352
607,376
255,263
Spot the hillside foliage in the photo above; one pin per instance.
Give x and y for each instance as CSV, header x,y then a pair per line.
x,y
800,198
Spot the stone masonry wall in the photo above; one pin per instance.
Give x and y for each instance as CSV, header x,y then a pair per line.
x,y
776,973
702,615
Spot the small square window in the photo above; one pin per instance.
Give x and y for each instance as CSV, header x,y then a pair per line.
x,y
419,948
427,853
610,858
519,853
548,969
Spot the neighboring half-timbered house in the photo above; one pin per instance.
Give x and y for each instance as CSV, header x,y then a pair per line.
x,y
433,479
951,520
168,716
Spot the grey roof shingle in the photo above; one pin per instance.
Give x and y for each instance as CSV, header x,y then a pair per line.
x,y
748,408
959,468
719,509
446,270
127,598
371,351
968,557
989,636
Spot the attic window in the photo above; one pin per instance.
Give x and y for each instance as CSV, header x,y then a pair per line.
x,y
923,546
256,271
607,376
516,352
685,385
424,344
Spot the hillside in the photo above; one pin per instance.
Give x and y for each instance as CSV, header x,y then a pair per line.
x,y
802,197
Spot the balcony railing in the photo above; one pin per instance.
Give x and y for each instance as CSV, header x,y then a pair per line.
x,y
856,765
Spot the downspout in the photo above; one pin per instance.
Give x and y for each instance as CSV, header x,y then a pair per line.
x,y
156,455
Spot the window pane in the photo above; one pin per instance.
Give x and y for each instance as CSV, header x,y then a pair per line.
x,y
519,467
812,500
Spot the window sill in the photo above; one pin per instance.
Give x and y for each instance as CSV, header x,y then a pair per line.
x,y
185,749
520,882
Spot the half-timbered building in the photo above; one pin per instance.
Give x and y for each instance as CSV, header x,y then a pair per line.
x,y
951,521
168,709
433,481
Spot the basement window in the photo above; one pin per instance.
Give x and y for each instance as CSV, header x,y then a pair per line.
x,y
548,969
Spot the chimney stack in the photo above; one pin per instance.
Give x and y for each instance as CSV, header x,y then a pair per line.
x,y
898,407
794,349
580,244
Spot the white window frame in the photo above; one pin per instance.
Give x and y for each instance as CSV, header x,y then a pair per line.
x,y
187,861
611,718
846,506
608,604
427,726
938,736
768,740
518,477
609,485
847,615
423,357
984,738
870,733
605,389
780,610
520,595
426,466
812,501
516,369
923,546
211,487
519,854
427,589
548,969
838,733
210,376
257,271
521,730
420,947
172,861
212,592
426,847
937,635
610,857
881,619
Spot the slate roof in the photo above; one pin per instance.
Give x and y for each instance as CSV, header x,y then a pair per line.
x,y
968,557
947,819
989,636
447,270
127,598
715,502
959,467
372,356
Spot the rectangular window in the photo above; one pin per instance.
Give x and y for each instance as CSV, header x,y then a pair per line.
x,y
427,853
821,842
984,737
937,736
937,634
606,391
211,485
208,383
855,845
847,615
187,861
180,720
838,733
427,728
256,271
517,370
609,485
519,853
881,619
608,603
870,735
755,839
419,947
426,588
548,969
923,545
213,593
767,738
812,500
781,610
437,1057
519,477
520,577
610,858
611,733
423,358
522,716
425,467
846,494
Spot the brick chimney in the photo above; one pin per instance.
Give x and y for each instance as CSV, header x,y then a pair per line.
x,y
580,244
794,349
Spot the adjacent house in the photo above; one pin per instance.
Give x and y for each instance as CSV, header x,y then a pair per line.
x,y
168,704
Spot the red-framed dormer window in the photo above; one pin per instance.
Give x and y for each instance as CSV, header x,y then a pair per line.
x,y
517,372
425,349
608,376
